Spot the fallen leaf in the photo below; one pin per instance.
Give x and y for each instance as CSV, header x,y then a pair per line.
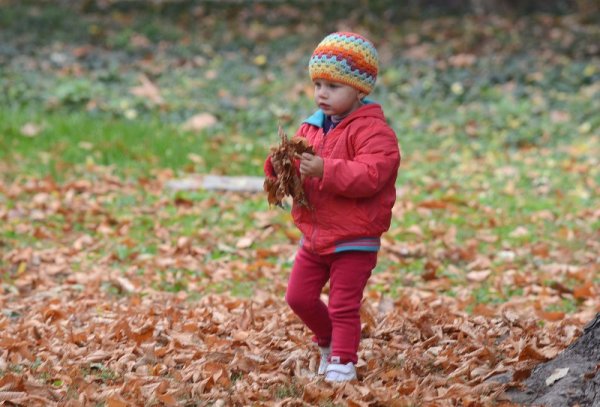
x,y
531,352
199,122
167,399
480,263
31,129
519,232
556,375
462,60
478,276
116,401
125,284
245,242
147,90
559,116
97,356
11,395
584,292
550,315
433,204
240,336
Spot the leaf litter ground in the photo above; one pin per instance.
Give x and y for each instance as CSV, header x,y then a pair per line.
x,y
84,322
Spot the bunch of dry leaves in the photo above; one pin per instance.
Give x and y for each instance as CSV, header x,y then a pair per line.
x,y
288,181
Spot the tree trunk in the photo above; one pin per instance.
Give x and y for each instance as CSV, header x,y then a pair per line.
x,y
552,385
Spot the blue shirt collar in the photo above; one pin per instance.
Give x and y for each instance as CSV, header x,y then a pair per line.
x,y
318,117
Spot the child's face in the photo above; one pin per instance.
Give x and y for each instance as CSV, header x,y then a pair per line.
x,y
336,99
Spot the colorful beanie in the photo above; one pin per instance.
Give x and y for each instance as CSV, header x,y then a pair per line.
x,y
347,58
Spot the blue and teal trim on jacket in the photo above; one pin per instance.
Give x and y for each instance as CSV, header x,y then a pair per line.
x,y
364,244
318,117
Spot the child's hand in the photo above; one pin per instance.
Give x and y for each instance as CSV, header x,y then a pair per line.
x,y
311,165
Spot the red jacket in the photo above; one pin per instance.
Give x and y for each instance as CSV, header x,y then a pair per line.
x,y
351,206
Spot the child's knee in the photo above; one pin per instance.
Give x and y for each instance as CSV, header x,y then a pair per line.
x,y
298,303
293,301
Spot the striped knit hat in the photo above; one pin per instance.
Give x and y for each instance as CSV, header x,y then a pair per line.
x,y
347,58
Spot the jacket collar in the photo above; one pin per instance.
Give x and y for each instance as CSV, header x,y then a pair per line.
x,y
318,117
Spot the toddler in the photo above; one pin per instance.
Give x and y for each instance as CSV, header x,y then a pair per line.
x,y
349,184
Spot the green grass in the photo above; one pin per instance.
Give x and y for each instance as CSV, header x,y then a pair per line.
x,y
67,140
288,390
134,147
507,143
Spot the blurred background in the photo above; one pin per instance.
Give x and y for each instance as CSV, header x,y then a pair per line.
x,y
495,104
184,84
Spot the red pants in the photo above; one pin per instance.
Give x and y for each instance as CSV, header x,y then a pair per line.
x,y
337,323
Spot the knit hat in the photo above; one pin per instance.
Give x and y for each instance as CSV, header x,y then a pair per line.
x,y
347,58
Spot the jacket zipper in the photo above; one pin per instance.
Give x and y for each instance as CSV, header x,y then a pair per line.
x,y
313,235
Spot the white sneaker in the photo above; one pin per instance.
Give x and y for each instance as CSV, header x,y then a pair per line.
x,y
337,372
325,352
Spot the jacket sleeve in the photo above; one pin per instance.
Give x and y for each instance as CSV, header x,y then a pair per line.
x,y
377,158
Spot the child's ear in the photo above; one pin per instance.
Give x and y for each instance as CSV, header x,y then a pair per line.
x,y
361,95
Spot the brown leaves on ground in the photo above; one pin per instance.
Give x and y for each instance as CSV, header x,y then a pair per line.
x,y
86,319
288,181
161,349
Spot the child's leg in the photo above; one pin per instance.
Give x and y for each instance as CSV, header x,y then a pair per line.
x,y
349,274
309,275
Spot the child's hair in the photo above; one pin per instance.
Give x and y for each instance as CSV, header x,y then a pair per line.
x,y
347,58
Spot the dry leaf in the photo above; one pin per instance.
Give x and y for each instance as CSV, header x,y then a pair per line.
x,y
550,315
478,276
125,284
199,122
31,129
519,232
11,395
97,356
167,399
584,292
556,376
559,116
245,242
116,401
531,352
462,60
147,90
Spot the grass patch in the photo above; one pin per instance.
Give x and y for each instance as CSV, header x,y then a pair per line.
x,y
504,148
284,391
68,140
